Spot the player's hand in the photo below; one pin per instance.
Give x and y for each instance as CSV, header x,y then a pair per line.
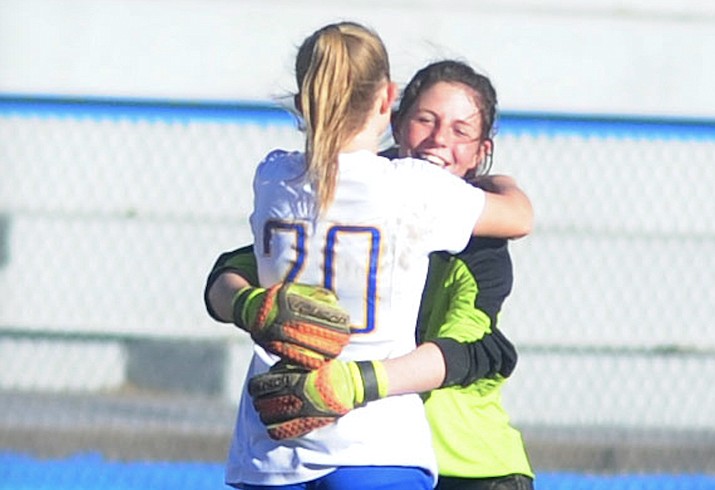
x,y
293,401
302,324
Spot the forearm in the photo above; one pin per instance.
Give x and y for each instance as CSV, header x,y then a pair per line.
x,y
221,293
421,370
232,271
508,212
445,362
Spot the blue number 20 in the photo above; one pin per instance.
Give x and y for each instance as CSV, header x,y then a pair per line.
x,y
331,260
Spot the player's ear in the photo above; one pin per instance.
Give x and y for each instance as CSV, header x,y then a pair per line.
x,y
485,150
389,98
395,127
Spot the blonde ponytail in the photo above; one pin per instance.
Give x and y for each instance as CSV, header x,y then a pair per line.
x,y
339,69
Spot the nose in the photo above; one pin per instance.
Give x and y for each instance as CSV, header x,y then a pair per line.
x,y
440,134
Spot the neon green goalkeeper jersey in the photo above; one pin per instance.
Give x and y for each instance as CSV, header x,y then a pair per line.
x,y
471,430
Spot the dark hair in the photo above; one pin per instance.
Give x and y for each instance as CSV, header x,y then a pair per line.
x,y
453,71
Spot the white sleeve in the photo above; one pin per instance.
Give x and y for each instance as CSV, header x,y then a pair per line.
x,y
450,207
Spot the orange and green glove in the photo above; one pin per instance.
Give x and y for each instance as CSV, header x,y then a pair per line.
x,y
302,324
292,401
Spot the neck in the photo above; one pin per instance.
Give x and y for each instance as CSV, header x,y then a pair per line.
x,y
361,141
368,138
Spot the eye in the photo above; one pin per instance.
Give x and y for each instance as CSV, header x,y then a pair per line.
x,y
465,132
424,118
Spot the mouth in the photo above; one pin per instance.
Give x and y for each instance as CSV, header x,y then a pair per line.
x,y
434,159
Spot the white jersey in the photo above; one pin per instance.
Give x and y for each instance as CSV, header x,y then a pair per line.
x,y
371,247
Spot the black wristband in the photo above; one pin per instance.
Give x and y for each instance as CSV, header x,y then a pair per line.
x,y
370,383
239,302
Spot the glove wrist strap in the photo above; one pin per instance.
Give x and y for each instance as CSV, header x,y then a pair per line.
x,y
373,379
240,306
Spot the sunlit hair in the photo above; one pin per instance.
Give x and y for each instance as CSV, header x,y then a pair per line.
x,y
339,70
453,71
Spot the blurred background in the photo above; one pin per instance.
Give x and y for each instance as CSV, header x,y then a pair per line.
x,y
129,133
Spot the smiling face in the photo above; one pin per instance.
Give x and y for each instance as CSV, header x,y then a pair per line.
x,y
444,126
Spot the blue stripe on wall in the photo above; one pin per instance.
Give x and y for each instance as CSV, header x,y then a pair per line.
x,y
624,126
550,124
169,110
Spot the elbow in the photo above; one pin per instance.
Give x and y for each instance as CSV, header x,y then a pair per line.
x,y
528,226
509,216
521,233
526,221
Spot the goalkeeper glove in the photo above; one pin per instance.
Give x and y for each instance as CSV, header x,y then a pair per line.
x,y
293,401
302,324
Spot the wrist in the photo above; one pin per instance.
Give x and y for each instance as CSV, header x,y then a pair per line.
x,y
244,306
370,379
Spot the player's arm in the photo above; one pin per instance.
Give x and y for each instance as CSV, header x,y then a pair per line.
x,y
302,324
507,209
458,317
507,213
463,346
292,402
232,271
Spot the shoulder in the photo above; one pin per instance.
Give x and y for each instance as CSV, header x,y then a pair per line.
x,y
281,164
278,155
418,169
391,153
283,157
407,171
433,183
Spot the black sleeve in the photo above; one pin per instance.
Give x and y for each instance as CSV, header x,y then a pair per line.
x,y
467,362
480,281
241,261
489,263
